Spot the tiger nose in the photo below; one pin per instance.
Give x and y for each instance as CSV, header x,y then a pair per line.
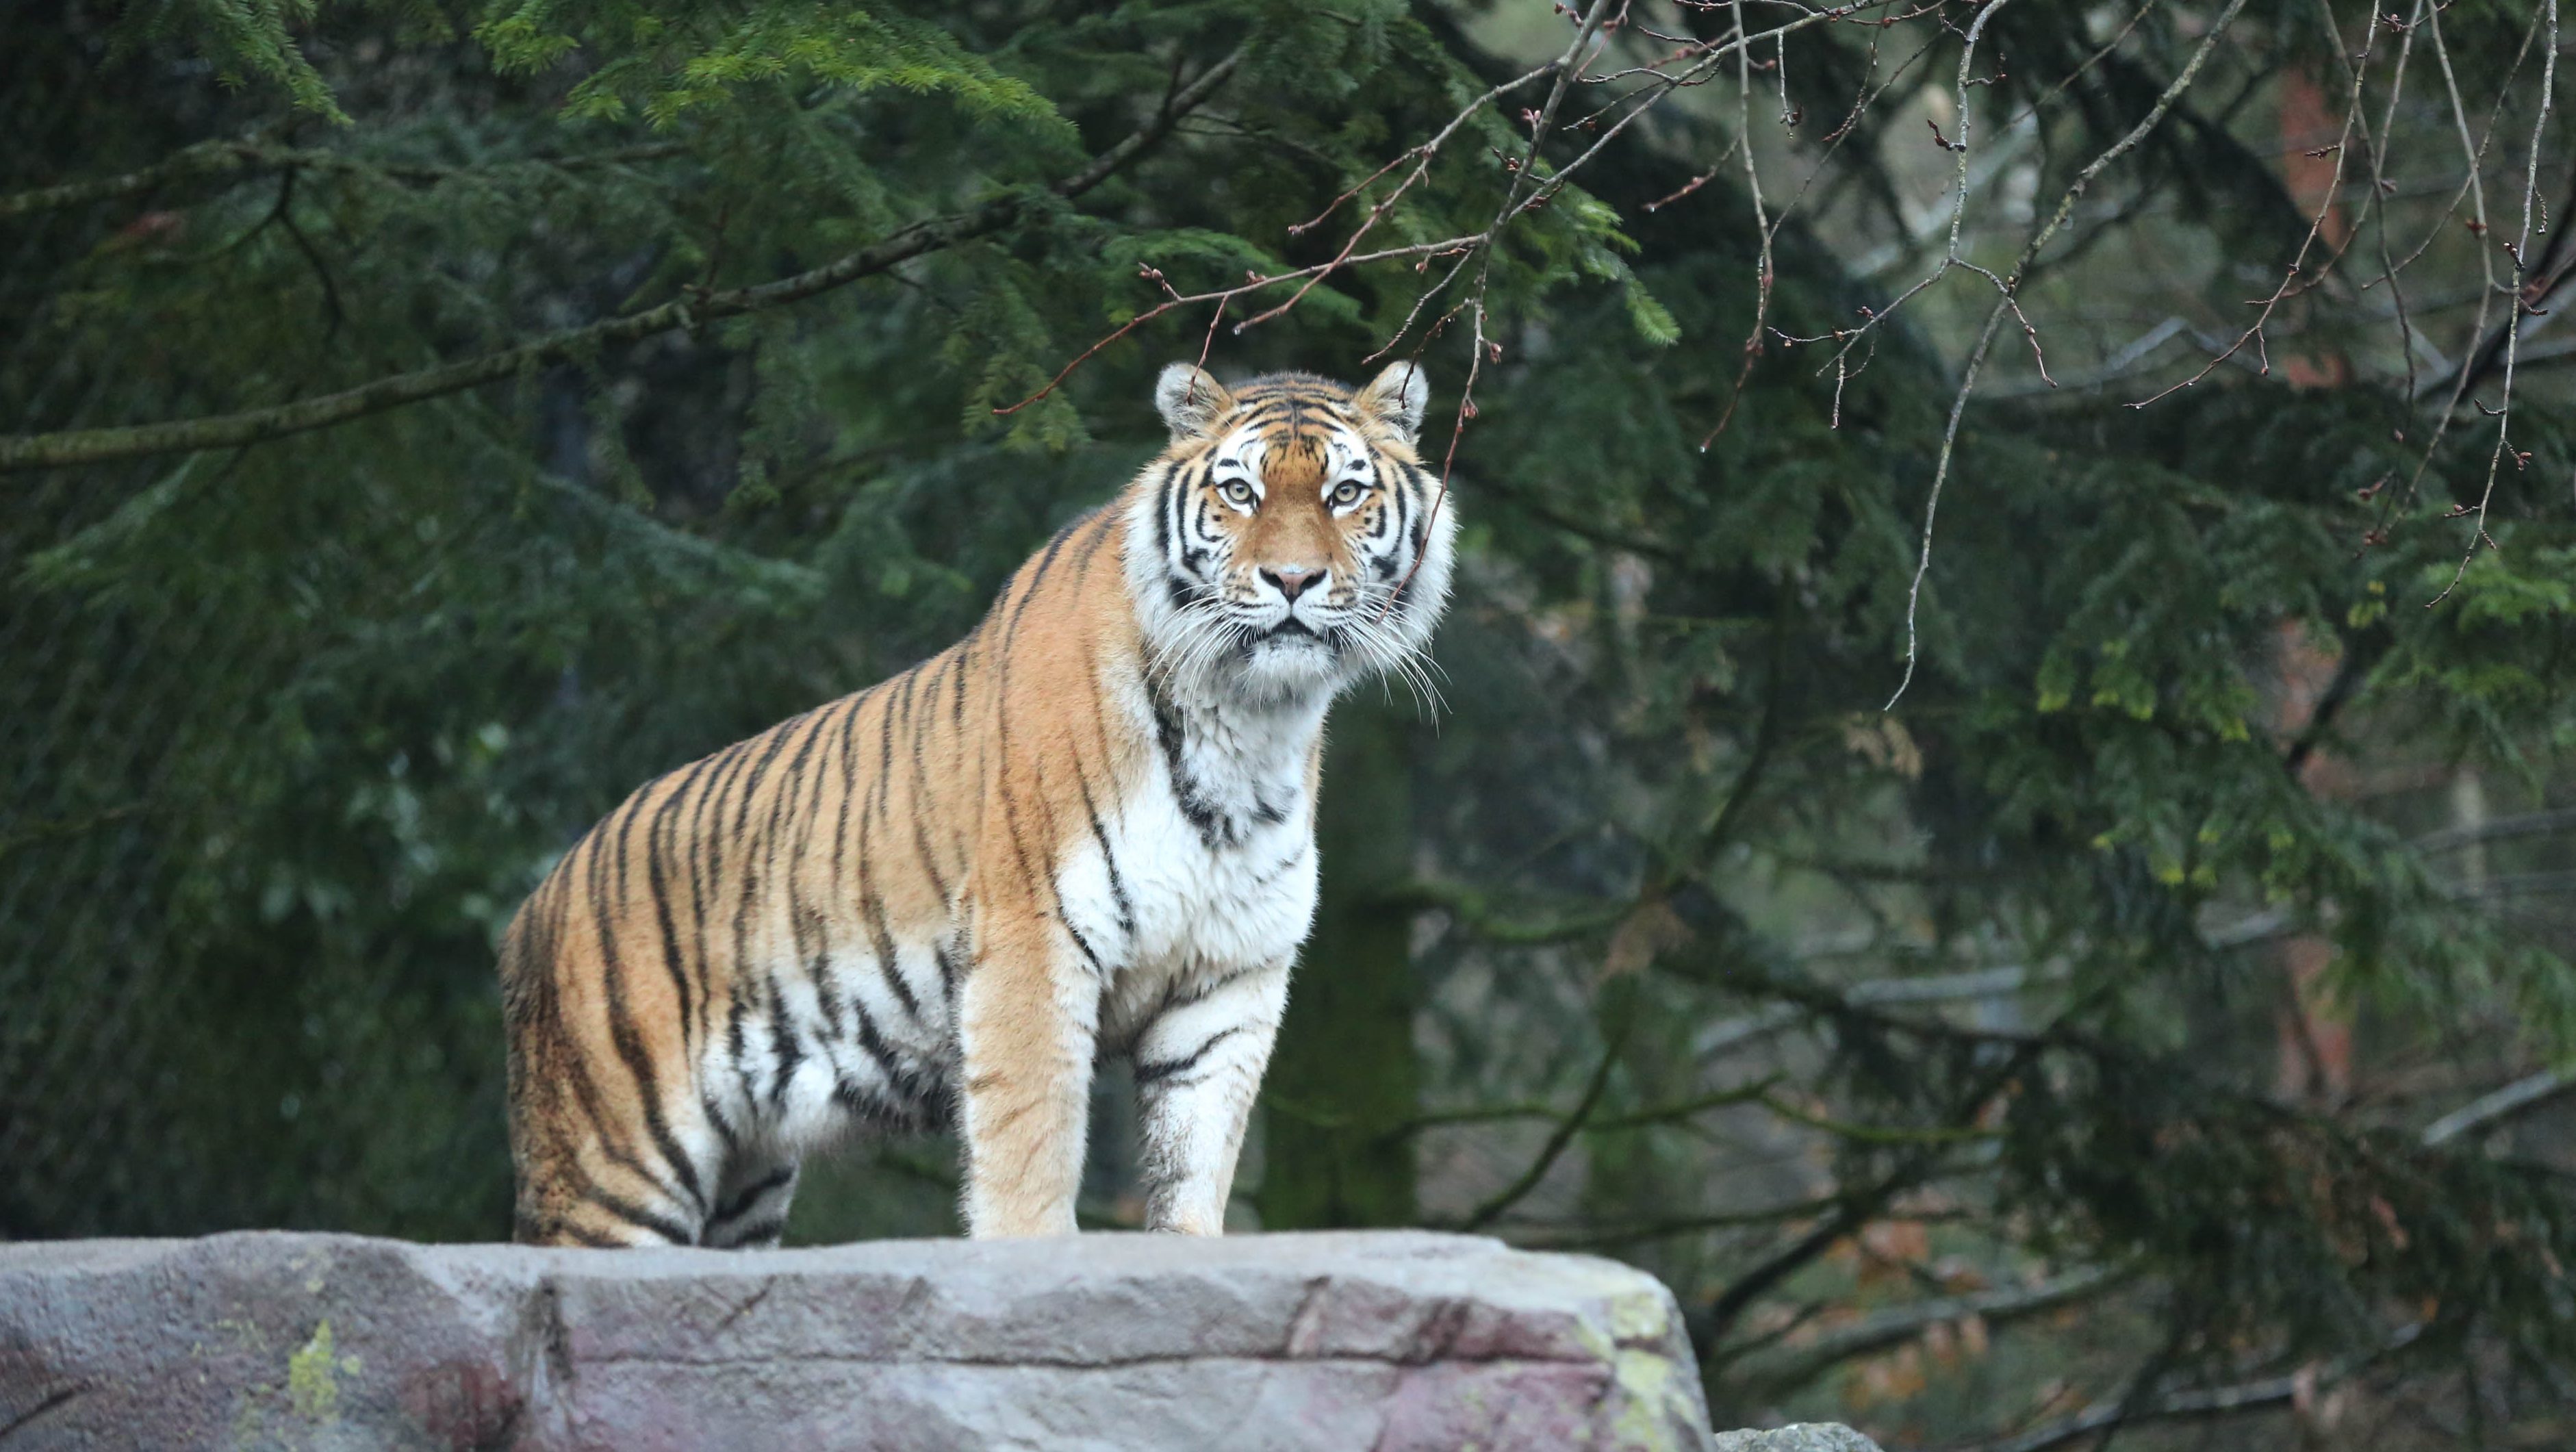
x,y
1292,582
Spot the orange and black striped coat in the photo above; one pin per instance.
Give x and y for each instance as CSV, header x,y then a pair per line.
x,y
1087,828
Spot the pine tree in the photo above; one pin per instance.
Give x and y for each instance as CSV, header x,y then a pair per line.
x,y
425,422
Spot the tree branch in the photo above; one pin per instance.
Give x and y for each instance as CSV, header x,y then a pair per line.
x,y
252,426
206,158
2190,1404
1639,1119
1510,1195
1976,983
2528,1092
2529,824
1672,1226
1475,912
1859,1207
1902,1324
228,158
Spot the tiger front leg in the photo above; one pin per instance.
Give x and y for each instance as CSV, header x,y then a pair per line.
x,y
1029,1017
1198,1066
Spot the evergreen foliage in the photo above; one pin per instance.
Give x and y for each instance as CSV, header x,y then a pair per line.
x,y
686,365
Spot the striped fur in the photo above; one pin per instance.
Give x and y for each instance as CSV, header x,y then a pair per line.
x,y
1086,829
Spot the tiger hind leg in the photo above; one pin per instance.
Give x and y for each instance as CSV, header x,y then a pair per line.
x,y
584,1183
562,1204
752,1197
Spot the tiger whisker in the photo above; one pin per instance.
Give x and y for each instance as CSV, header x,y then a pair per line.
x,y
1200,625
1215,633
1392,658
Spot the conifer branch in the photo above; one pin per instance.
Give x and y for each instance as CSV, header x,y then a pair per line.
x,y
2528,1092
1476,913
1902,1324
259,425
205,159
212,159
1636,1119
1855,1208
1525,192
2195,1403
1557,1140
1673,1227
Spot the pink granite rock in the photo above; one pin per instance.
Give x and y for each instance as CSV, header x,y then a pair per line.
x,y
1357,1340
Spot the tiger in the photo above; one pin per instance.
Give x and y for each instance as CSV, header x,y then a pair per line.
x,y
1084,832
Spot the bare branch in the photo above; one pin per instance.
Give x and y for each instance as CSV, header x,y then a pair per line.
x,y
2011,284
2519,303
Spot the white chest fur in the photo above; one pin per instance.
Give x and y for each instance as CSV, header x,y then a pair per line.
x,y
1209,866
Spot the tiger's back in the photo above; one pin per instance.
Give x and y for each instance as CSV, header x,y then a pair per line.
x,y
1087,828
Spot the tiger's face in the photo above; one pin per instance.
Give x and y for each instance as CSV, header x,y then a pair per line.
x,y
1293,544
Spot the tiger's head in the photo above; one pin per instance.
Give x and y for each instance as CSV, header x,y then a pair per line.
x,y
1289,541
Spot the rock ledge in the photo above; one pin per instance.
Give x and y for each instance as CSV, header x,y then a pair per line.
x,y
1387,1339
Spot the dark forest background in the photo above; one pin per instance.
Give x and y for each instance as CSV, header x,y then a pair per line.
x,y
426,421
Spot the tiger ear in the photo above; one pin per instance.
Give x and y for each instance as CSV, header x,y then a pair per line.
x,y
1189,400
1397,397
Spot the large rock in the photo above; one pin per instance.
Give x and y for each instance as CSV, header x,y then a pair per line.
x,y
1805,1437
1380,1340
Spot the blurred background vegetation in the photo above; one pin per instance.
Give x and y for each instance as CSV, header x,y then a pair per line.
x,y
2158,1021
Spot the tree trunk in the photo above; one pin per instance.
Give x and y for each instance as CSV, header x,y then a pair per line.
x,y
1344,1079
